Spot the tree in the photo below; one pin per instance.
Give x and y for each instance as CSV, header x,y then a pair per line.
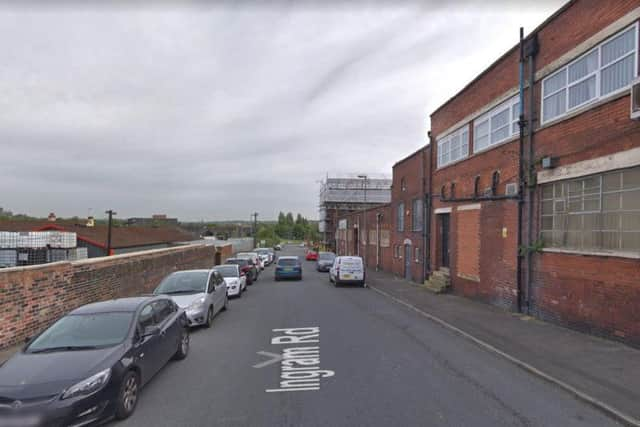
x,y
289,220
282,219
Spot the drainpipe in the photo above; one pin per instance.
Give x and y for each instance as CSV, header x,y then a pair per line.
x,y
427,249
532,50
521,125
378,216
424,238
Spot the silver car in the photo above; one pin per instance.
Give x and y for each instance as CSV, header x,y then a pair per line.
x,y
201,293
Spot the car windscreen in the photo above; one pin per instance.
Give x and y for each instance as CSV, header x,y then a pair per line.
x,y
237,261
288,262
263,252
183,283
84,331
326,256
227,270
351,263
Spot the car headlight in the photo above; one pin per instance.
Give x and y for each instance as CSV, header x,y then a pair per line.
x,y
197,304
88,386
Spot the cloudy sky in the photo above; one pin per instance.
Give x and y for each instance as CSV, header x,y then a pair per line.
x,y
216,110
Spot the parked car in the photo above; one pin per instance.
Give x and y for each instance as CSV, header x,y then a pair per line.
x,y
254,256
91,364
288,267
311,255
272,254
235,279
247,267
347,270
277,247
201,293
264,255
325,261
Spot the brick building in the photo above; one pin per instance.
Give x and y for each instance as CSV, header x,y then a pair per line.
x,y
351,238
532,191
566,195
409,195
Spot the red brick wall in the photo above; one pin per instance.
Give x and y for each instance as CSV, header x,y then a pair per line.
x,y
347,247
579,291
414,170
594,294
573,26
468,235
33,297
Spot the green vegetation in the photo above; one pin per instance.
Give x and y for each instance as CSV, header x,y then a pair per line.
x,y
288,228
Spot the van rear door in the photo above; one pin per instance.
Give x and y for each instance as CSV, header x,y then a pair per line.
x,y
351,269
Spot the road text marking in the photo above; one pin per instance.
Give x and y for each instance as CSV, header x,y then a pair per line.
x,y
299,366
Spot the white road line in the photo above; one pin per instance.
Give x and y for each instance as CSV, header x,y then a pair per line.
x,y
598,404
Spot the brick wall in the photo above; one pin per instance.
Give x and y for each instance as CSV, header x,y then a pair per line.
x,y
33,297
346,244
468,235
595,294
410,182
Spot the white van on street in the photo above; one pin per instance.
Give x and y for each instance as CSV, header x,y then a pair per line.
x,y
347,270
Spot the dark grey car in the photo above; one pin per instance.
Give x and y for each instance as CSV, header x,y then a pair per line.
x,y
325,261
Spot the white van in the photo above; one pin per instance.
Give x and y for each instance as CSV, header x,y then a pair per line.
x,y
347,270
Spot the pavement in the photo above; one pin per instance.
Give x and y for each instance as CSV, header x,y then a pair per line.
x,y
603,372
378,363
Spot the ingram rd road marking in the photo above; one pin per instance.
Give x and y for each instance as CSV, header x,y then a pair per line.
x,y
299,366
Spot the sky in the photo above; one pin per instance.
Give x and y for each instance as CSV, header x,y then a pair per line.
x,y
215,110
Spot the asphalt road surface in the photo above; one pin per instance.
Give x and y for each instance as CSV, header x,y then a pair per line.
x,y
391,367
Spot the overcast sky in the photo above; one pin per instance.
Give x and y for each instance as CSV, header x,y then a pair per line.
x,y
213,112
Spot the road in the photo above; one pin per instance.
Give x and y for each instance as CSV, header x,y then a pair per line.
x,y
392,368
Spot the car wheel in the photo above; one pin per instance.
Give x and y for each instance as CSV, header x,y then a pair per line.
x,y
128,395
209,321
183,346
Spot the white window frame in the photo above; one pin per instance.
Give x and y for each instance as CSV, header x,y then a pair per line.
x,y
486,118
597,73
447,141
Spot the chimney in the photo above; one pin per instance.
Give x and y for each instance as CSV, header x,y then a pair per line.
x,y
51,217
90,222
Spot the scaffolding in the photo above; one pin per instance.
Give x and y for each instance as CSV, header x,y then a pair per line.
x,y
349,194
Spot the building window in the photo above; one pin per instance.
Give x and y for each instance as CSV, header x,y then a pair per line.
x,y
400,219
598,212
606,69
453,147
476,186
497,125
495,180
443,193
397,251
403,185
416,215
452,192
418,255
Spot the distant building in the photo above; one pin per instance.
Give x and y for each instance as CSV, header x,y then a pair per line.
x,y
155,220
340,196
123,239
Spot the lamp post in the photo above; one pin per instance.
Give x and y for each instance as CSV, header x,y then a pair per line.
x,y
364,214
111,213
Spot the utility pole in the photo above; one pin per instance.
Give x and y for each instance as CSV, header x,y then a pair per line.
x,y
255,229
111,213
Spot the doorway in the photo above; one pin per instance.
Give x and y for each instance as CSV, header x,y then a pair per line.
x,y
407,262
444,240
356,241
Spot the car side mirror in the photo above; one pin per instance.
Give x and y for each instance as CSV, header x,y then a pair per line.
x,y
151,331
